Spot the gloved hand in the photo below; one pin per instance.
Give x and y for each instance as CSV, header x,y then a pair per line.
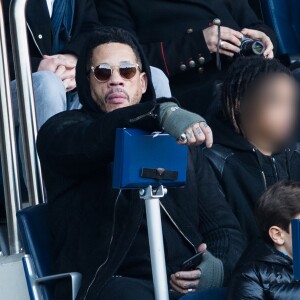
x,y
212,272
186,127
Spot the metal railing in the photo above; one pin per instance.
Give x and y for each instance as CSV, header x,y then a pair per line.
x,y
28,123
8,147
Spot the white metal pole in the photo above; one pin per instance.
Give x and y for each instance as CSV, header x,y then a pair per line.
x,y
157,252
8,147
28,122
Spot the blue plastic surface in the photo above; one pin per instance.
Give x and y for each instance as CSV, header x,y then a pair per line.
x,y
137,149
296,247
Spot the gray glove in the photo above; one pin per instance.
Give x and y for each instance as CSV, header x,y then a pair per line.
x,y
174,120
212,272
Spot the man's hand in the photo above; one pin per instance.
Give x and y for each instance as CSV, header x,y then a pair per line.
x,y
185,282
51,63
197,135
259,35
63,65
230,40
186,127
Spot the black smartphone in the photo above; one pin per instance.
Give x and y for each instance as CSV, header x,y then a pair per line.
x,y
192,262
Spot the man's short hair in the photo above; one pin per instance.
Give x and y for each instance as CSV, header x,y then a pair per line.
x,y
109,35
278,206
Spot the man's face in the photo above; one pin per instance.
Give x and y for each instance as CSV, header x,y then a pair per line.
x,y
117,92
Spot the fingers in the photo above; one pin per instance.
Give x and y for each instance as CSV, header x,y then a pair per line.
x,y
228,49
67,74
184,287
70,84
231,36
184,282
208,134
202,248
269,47
196,135
188,275
231,40
60,59
60,71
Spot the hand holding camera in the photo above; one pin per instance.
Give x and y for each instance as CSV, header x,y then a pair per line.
x,y
232,42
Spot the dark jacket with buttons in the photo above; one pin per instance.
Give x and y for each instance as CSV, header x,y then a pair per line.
x,y
76,149
171,33
264,273
40,32
244,173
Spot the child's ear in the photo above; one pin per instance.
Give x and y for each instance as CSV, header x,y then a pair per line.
x,y
277,235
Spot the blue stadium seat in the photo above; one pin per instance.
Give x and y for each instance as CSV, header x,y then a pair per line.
x,y
283,17
38,262
213,294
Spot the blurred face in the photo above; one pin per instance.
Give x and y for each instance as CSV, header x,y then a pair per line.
x,y
270,110
120,82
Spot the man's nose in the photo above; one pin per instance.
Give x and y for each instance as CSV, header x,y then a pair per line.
x,y
116,79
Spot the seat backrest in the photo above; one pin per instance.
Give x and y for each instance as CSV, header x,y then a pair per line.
x,y
212,294
283,17
35,234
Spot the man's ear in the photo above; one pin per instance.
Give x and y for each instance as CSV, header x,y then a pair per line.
x,y
144,82
277,235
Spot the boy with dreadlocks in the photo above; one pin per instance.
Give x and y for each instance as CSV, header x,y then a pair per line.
x,y
253,134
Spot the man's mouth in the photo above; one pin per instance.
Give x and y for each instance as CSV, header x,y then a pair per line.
x,y
116,98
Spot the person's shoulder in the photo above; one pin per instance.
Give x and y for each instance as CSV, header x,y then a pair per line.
x,y
60,120
217,156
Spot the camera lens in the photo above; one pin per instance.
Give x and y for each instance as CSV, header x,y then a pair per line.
x,y
258,48
250,47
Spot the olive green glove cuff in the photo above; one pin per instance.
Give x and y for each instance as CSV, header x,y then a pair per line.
x,y
175,120
212,272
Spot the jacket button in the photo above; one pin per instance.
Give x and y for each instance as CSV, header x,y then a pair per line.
x,y
192,64
190,30
201,70
201,60
40,36
183,67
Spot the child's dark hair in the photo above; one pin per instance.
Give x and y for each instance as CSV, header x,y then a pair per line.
x,y
278,206
242,74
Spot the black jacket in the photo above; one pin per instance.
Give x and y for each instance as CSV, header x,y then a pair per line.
x,y
244,173
76,149
171,33
264,273
39,29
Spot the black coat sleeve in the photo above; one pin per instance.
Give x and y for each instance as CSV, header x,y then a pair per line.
x,y
218,225
74,144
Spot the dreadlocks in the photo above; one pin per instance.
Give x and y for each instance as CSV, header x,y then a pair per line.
x,y
244,73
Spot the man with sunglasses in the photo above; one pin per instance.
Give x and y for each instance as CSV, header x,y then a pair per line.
x,y
101,232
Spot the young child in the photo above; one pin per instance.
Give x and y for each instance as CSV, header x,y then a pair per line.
x,y
265,271
253,135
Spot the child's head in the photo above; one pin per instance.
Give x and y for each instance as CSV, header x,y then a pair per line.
x,y
276,208
260,96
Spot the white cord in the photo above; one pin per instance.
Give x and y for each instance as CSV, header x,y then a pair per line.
x,y
109,247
